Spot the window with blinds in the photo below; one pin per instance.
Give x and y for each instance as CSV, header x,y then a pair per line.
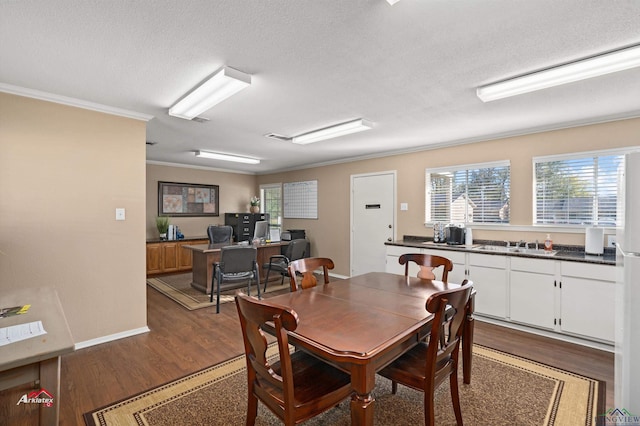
x,y
476,193
580,189
271,197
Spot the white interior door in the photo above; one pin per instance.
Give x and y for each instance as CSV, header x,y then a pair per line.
x,y
372,220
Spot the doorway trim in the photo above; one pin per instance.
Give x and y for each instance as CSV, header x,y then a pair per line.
x,y
394,173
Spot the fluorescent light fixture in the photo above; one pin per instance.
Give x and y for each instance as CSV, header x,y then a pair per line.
x,y
223,84
575,71
227,157
392,2
333,131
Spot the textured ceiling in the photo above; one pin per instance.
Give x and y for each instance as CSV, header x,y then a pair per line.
x,y
411,69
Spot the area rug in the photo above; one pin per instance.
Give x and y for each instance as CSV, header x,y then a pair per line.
x,y
178,288
504,390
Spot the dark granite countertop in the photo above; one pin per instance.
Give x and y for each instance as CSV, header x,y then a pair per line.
x,y
569,253
158,240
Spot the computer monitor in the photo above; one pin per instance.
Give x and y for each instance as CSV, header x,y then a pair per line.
x,y
261,230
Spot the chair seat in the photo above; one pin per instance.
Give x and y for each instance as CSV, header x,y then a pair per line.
x,y
409,369
313,379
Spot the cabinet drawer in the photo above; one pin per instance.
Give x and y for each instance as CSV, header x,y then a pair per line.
x,y
454,256
537,266
488,260
400,250
590,271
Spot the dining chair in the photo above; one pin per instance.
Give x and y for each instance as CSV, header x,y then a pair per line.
x,y
219,234
427,263
296,249
238,265
306,268
430,362
295,387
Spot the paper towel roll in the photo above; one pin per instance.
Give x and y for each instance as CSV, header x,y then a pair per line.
x,y
594,241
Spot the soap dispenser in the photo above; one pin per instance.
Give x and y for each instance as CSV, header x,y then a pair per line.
x,y
548,244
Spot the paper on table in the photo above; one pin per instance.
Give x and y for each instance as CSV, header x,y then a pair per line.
x,y
16,333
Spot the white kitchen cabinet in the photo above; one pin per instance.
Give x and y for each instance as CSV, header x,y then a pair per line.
x,y
534,290
459,260
490,280
394,267
588,300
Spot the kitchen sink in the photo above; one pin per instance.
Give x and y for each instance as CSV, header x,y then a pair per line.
x,y
521,250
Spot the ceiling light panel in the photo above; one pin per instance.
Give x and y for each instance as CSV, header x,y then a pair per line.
x,y
587,68
222,85
227,157
330,132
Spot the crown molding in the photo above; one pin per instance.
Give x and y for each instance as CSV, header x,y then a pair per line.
x,y
78,103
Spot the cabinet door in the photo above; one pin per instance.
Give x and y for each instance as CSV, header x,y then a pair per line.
x,y
394,267
169,257
459,260
532,298
587,307
490,283
185,256
154,259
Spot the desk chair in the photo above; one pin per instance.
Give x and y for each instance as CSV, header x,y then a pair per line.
x,y
279,263
429,263
429,363
306,267
219,234
238,265
296,387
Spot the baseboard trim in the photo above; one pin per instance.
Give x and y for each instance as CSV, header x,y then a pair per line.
x,y
111,337
563,337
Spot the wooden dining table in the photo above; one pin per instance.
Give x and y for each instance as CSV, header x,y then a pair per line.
x,y
363,323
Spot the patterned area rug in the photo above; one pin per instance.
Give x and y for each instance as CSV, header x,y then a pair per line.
x,y
178,288
504,390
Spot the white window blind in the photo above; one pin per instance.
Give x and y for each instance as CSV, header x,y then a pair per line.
x,y
271,196
477,193
580,189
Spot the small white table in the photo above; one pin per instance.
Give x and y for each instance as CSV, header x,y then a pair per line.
x,y
36,359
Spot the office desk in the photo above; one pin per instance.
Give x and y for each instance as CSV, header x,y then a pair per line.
x,y
363,323
37,358
205,255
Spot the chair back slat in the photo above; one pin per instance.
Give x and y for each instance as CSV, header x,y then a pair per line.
x,y
306,268
449,308
253,315
426,260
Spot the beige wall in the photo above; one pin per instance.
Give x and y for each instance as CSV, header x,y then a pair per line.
x,y
63,172
330,232
235,192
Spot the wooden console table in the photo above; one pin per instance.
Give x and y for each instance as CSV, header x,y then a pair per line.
x,y
205,255
36,359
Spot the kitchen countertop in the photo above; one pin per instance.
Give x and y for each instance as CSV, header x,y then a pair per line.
x,y
569,253
158,240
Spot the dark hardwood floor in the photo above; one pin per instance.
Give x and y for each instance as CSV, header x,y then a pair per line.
x,y
182,342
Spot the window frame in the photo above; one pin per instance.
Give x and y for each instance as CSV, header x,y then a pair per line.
x,y
575,156
263,204
457,168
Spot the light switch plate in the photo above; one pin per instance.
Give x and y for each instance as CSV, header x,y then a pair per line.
x,y
119,214
404,206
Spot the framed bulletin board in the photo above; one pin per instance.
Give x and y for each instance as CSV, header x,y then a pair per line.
x,y
188,199
300,200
